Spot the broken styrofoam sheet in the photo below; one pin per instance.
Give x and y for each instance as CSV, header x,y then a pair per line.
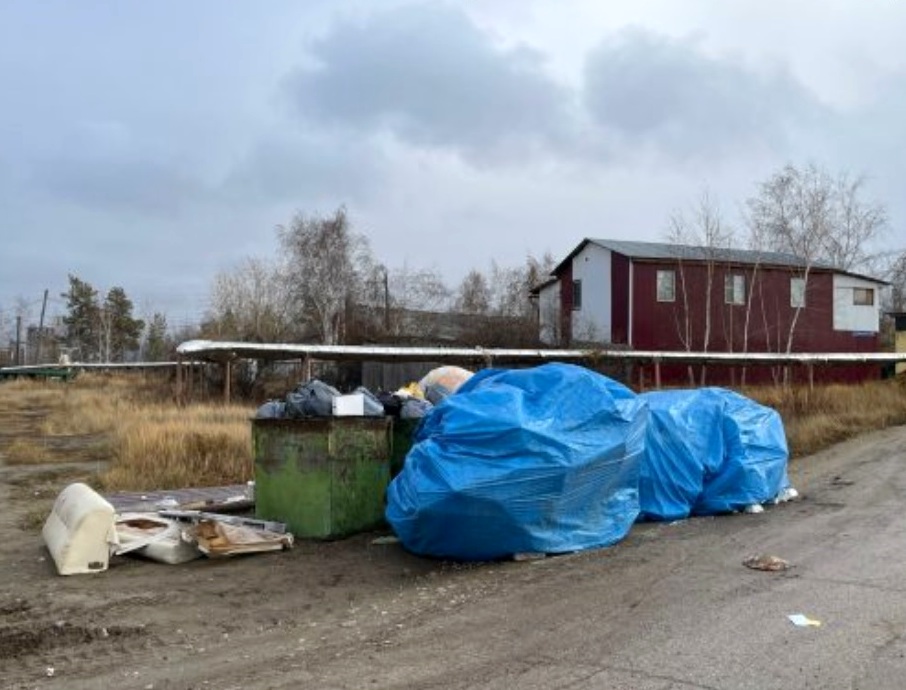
x,y
154,537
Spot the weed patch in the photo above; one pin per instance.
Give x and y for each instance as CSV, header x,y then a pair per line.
x,y
820,417
129,423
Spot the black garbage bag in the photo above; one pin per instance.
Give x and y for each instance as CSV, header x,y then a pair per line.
x,y
312,399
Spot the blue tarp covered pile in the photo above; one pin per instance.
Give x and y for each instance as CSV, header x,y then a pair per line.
x,y
559,458
709,451
532,460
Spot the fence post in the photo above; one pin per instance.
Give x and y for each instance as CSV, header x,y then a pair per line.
x,y
227,380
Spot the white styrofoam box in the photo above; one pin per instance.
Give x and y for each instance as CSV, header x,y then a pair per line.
x,y
80,531
352,405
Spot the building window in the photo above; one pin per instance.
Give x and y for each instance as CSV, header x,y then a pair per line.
x,y
577,295
735,289
666,286
797,293
863,297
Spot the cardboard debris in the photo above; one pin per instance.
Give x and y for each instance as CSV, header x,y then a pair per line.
x,y
216,538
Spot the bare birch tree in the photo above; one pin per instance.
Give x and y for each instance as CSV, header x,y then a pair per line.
x,y
896,275
857,223
323,257
702,233
818,218
474,294
251,301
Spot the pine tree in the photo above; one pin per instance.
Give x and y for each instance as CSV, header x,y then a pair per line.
x,y
156,345
121,332
82,319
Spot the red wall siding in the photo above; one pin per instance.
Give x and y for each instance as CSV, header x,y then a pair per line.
x,y
660,325
619,298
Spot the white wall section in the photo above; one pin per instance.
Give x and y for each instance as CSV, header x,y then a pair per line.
x,y
854,317
593,322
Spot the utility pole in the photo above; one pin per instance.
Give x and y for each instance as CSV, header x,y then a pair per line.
x,y
386,302
18,339
41,329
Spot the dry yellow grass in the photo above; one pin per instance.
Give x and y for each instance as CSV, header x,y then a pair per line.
x,y
163,447
818,418
23,451
151,443
148,441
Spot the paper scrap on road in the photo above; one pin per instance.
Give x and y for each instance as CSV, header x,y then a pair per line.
x,y
766,563
803,621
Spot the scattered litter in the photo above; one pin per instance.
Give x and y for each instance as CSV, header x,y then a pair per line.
x,y
765,562
753,509
49,671
272,409
254,523
79,532
803,621
352,405
382,541
439,384
166,503
154,537
371,406
216,538
415,408
312,399
411,391
788,494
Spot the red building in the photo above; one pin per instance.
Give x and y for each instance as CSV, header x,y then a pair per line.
x,y
653,296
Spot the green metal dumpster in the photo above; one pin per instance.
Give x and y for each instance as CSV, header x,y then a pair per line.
x,y
324,478
403,431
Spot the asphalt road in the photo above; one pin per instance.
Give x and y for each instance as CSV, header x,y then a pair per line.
x,y
673,607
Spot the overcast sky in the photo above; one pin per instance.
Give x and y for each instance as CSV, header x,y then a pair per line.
x,y
151,144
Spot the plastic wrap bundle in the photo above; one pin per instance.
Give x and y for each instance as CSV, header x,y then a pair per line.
x,y
443,382
684,443
532,460
755,457
709,451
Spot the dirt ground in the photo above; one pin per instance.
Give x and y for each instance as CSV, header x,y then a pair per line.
x,y
670,607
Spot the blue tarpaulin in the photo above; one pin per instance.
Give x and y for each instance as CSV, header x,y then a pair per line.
x,y
755,460
709,451
524,460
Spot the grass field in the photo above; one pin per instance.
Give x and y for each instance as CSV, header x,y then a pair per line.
x,y
815,419
142,440
131,426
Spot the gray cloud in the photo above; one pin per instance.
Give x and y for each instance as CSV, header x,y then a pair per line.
x,y
430,76
306,168
119,185
645,87
113,167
